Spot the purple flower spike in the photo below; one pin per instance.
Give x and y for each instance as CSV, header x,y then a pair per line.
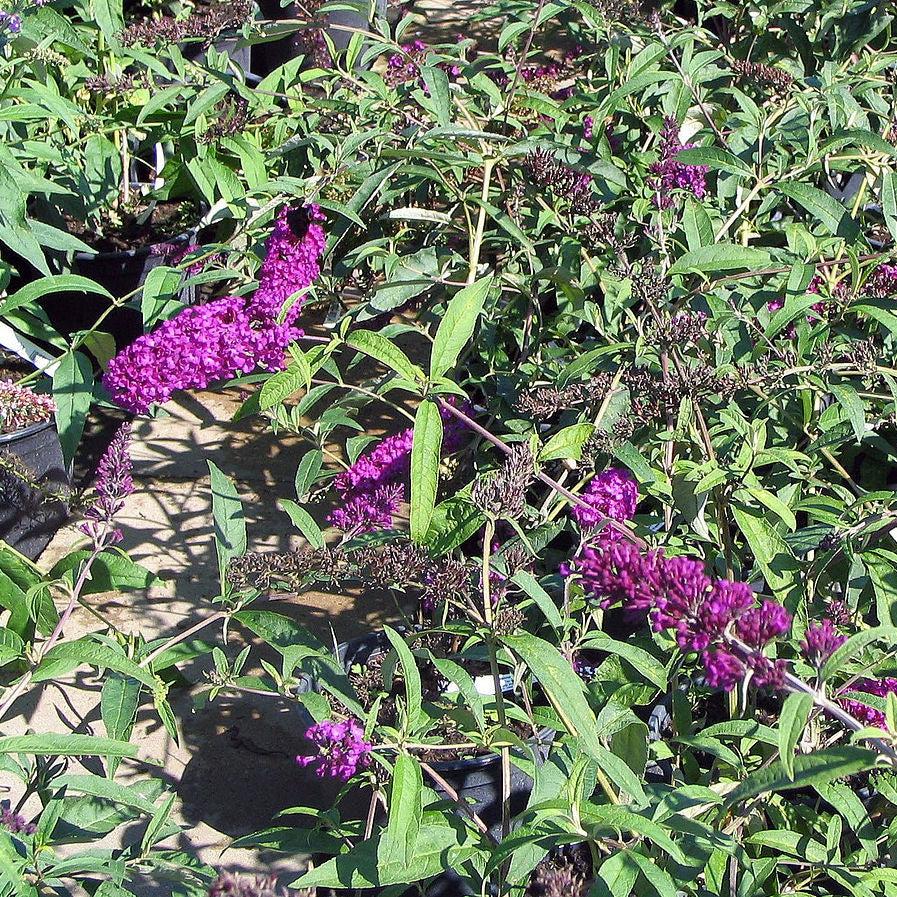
x,y
342,750
113,485
668,174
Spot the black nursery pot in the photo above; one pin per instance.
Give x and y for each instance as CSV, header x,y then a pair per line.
x,y
120,273
28,516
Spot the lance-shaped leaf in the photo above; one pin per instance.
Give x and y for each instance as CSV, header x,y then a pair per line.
x,y
426,446
457,325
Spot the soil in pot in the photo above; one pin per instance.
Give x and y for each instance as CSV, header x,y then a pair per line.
x,y
33,488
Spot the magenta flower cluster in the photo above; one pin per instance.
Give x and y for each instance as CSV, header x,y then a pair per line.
x,y
821,640
342,750
880,284
880,688
228,336
372,489
669,174
21,407
11,21
613,493
679,597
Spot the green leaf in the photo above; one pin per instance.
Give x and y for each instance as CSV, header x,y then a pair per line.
x,y
357,867
11,645
284,383
412,275
72,392
644,663
623,820
413,691
888,202
855,645
567,443
307,472
111,571
718,159
97,786
57,283
771,551
793,719
62,659
303,521
228,519
775,504
360,199
426,447
457,325
697,224
155,830
824,208
385,351
466,686
620,774
118,705
820,767
530,585
721,257
853,407
398,844
67,745
437,84
562,686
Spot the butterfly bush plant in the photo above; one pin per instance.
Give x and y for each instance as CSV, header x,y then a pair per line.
x,y
622,281
630,275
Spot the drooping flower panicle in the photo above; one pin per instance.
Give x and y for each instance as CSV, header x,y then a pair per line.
x,y
679,597
229,336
